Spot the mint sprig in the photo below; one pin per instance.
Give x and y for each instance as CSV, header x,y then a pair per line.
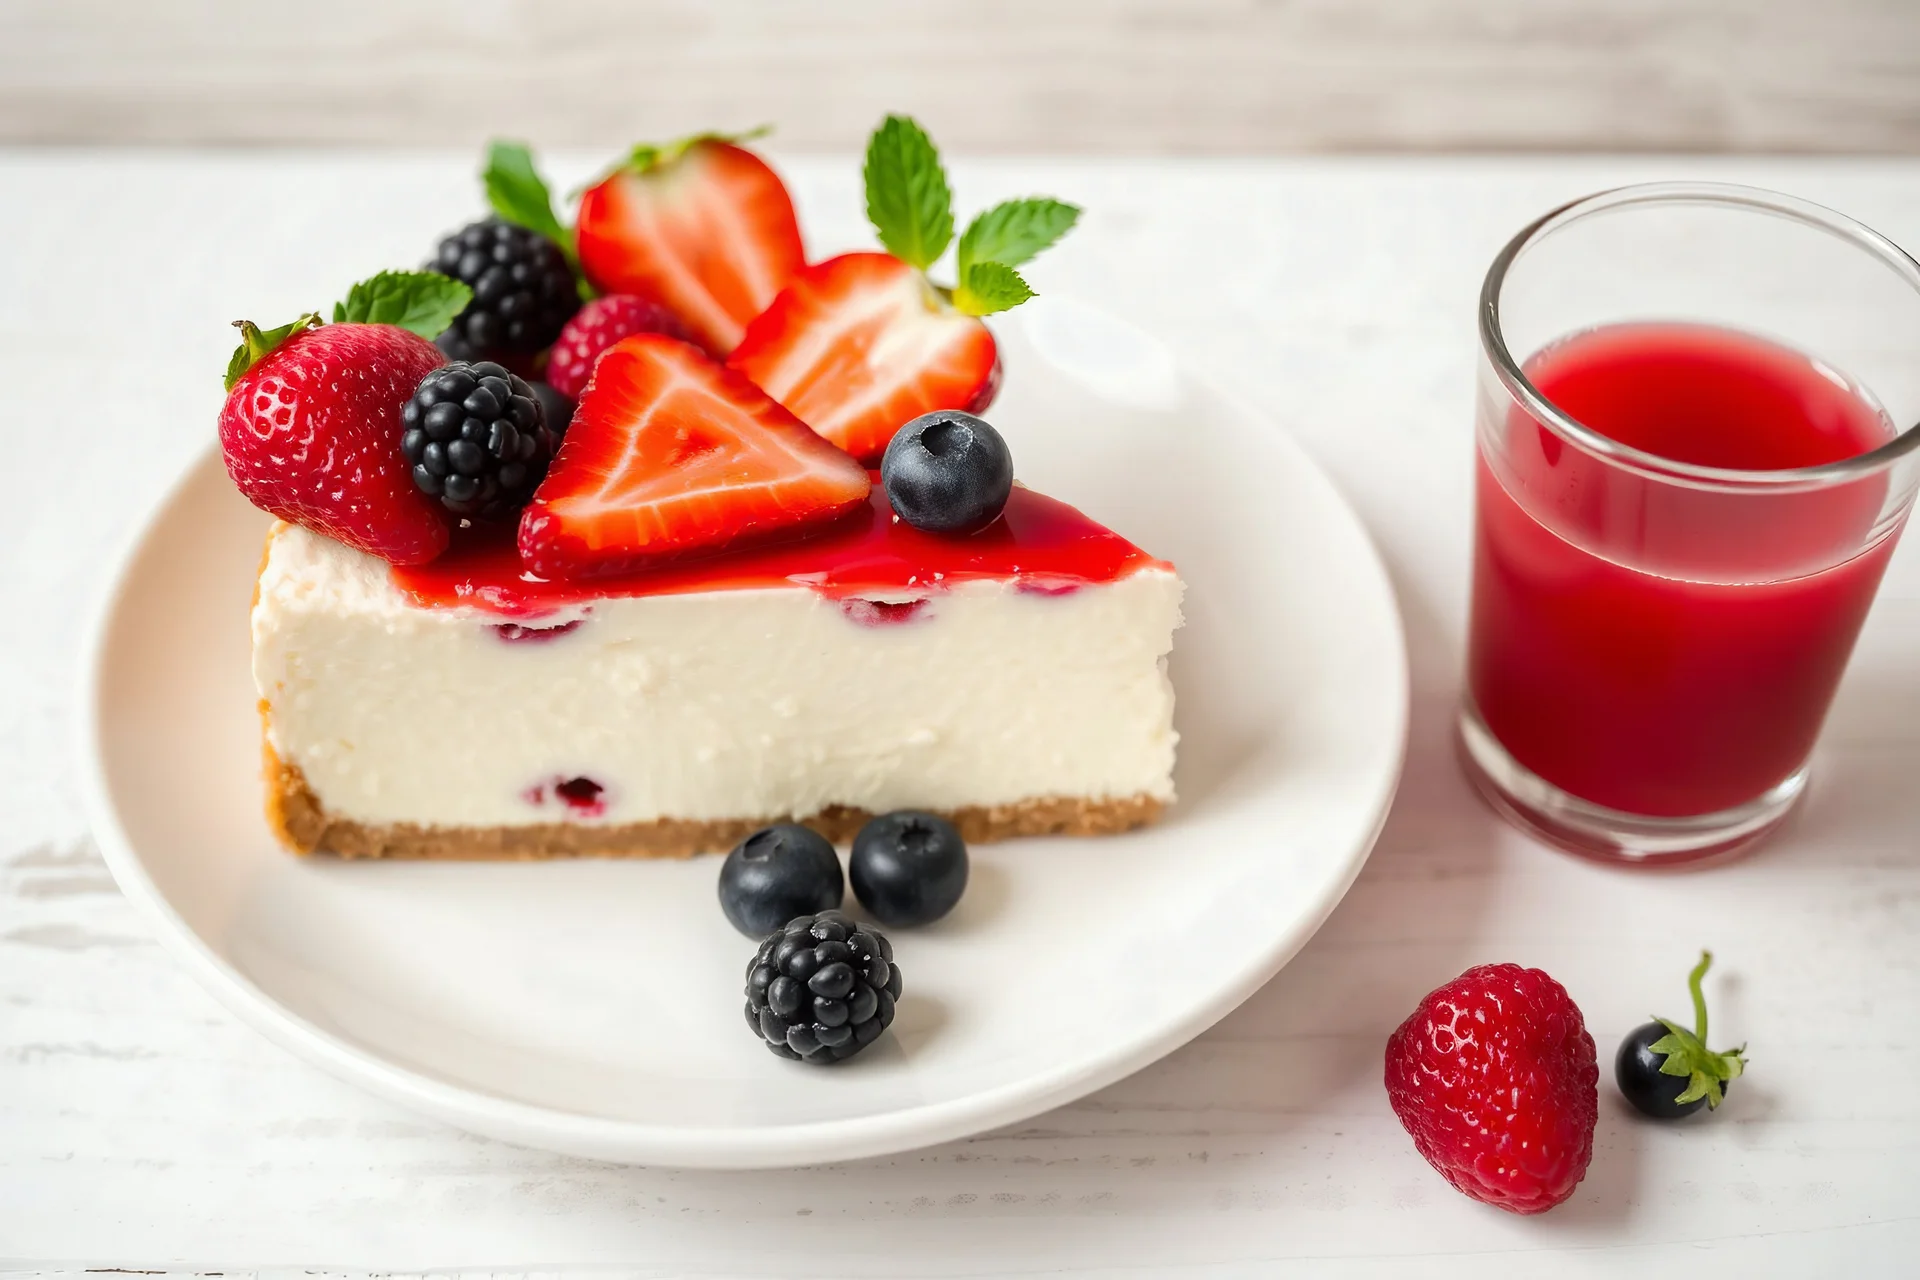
x,y
518,194
257,344
911,207
1014,231
423,302
1686,1053
908,200
986,288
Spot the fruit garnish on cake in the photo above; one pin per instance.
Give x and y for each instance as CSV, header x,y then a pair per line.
x,y
494,622
701,225
861,343
670,455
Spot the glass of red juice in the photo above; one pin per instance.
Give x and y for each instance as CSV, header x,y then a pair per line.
x,y
1696,451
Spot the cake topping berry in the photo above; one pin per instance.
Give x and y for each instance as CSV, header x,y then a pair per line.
x,y
822,988
310,431
702,225
1667,1071
523,290
948,472
558,408
776,874
861,343
599,325
476,437
908,868
672,454
1495,1077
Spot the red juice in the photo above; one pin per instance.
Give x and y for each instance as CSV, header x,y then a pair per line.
x,y
1657,647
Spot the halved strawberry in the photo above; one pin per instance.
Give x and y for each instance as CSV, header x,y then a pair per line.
x,y
702,226
859,345
862,343
672,454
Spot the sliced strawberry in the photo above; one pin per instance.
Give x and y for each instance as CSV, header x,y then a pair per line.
x,y
703,227
311,433
861,344
672,454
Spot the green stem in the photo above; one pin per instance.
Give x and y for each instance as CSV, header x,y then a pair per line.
x,y
1699,998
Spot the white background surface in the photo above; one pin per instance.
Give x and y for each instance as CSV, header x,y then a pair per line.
x,y
140,1126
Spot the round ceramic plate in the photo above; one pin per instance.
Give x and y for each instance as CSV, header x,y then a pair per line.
x,y
593,1007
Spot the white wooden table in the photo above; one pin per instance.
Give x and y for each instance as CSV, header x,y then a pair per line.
x,y
143,1127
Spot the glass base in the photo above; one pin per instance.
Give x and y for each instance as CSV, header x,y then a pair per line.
x,y
1594,831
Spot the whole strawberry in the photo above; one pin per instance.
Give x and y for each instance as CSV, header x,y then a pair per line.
x,y
311,427
1497,1080
599,325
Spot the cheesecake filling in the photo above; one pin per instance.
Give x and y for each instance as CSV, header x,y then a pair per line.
x,y
746,703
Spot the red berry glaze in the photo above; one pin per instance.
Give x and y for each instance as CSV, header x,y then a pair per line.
x,y
597,326
1495,1077
859,345
312,434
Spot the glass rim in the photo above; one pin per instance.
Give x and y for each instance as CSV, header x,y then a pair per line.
x,y
1724,194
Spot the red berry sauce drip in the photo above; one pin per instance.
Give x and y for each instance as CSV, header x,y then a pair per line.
x,y
521,633
1042,545
881,613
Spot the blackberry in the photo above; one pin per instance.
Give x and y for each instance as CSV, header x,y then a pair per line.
x,y
523,290
476,438
822,989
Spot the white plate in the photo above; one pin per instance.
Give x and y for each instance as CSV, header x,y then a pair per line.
x,y
594,1007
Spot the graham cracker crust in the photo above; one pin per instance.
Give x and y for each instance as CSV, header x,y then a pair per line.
x,y
304,826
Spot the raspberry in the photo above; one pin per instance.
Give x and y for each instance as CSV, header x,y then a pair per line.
x,y
599,325
821,989
523,290
1495,1077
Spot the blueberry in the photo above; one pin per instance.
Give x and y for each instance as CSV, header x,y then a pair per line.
x,y
777,874
559,409
947,472
907,869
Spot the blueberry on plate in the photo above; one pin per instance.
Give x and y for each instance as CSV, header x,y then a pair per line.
x,y
908,868
776,874
1667,1071
947,472
822,988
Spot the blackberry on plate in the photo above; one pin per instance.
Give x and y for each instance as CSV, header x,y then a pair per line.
x,y
822,989
476,438
523,290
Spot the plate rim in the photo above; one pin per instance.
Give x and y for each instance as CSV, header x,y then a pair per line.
x,y
647,1143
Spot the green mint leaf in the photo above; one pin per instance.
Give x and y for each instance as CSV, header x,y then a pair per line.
x,y
255,345
989,287
424,302
907,197
1015,231
518,193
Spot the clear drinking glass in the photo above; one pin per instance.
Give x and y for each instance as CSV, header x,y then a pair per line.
x,y
1696,451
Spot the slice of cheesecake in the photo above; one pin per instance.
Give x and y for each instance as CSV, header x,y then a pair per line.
x,y
1014,681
